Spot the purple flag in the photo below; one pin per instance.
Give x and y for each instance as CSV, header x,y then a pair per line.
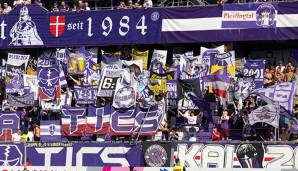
x,y
255,68
50,131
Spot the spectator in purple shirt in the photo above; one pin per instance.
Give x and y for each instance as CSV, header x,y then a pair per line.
x,y
63,7
224,125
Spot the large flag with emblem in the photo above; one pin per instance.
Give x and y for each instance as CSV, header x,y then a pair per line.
x,y
267,114
50,131
48,75
282,93
15,68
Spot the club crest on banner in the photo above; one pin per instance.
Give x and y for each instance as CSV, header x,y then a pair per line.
x,y
52,129
266,15
124,97
155,156
48,81
57,25
24,32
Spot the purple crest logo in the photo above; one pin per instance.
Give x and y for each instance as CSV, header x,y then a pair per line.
x,y
52,129
266,15
125,97
10,155
156,156
48,80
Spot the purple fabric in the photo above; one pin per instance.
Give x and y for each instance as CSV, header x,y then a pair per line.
x,y
98,154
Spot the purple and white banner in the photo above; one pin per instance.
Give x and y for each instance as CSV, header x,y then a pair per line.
x,y
50,130
85,94
84,154
152,26
282,93
27,100
254,15
256,69
172,94
12,155
15,68
125,95
158,61
9,123
208,56
265,114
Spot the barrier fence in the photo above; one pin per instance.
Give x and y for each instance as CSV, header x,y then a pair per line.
x,y
195,155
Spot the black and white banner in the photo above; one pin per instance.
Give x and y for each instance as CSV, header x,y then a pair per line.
x,y
108,81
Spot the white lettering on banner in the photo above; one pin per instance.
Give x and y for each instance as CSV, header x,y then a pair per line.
x,y
104,153
124,24
107,26
143,26
219,156
109,151
75,26
2,26
213,156
90,34
108,21
48,153
86,150
282,160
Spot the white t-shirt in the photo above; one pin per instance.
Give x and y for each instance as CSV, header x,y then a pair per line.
x,y
16,137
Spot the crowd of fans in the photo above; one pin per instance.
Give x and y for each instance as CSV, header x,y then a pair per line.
x,y
63,6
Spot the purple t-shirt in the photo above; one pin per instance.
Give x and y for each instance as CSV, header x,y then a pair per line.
x,y
224,123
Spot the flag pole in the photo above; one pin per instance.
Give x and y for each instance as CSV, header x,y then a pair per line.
x,y
142,123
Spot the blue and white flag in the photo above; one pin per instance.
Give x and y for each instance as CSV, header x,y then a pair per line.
x,y
282,93
158,61
85,94
50,131
266,114
255,68
254,15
